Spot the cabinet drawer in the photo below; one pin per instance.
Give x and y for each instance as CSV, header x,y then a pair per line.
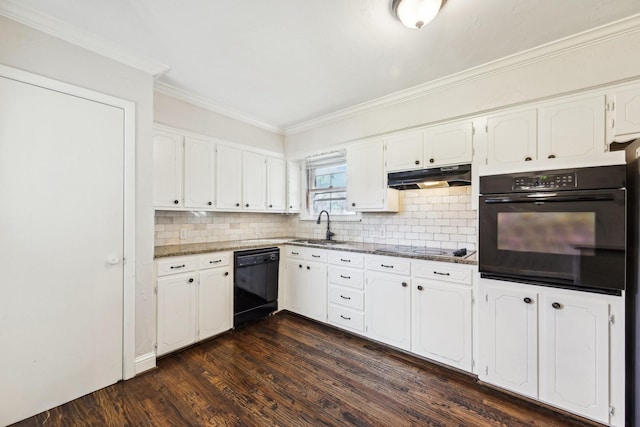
x,y
388,264
346,297
347,318
443,272
318,255
294,252
347,277
347,259
217,259
176,265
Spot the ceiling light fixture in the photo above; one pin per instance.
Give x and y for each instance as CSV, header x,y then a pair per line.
x,y
416,13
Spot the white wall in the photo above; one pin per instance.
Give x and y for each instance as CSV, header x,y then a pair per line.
x,y
183,115
31,50
609,57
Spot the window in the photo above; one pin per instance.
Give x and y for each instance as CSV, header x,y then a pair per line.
x,y
327,184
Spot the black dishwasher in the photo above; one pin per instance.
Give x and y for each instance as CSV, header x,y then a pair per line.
x,y
255,284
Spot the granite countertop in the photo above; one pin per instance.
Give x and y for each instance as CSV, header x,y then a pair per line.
x,y
368,248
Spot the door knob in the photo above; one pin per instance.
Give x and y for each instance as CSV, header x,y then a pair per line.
x,y
113,260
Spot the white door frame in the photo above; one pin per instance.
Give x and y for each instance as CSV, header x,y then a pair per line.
x,y
129,267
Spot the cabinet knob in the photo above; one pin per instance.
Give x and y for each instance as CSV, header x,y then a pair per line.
x,y
237,204
556,305
308,268
417,162
290,206
353,204
420,288
226,273
431,160
191,280
210,203
528,300
270,206
300,266
551,156
175,202
527,159
247,205
404,284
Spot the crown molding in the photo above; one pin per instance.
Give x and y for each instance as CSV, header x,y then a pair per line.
x,y
207,104
558,47
69,33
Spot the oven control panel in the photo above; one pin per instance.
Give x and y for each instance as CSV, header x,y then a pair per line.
x,y
545,182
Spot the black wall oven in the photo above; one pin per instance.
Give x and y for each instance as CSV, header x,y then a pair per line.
x,y
564,228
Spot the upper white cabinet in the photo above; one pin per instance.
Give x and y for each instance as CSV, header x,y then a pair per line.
x,y
199,173
367,179
512,136
167,169
254,189
276,184
441,145
626,109
572,128
228,178
293,187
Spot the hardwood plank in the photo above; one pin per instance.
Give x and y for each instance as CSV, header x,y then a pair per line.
x,y
289,371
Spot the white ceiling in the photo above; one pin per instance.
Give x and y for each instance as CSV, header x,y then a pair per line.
x,y
283,62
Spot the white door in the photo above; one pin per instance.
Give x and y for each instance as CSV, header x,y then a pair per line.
x,y
574,349
215,302
627,111
276,184
61,245
512,137
177,311
404,151
509,346
295,283
448,144
199,173
293,187
228,178
388,309
254,185
366,177
167,170
315,292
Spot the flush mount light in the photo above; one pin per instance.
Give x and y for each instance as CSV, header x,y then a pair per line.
x,y
416,13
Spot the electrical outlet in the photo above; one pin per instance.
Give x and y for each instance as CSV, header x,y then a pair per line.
x,y
183,233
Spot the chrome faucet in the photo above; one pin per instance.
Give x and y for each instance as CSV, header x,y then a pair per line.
x,y
329,233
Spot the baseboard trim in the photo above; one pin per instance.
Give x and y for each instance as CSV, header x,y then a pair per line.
x,y
145,362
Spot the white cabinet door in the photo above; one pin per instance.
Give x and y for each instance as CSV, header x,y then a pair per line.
x,y
276,185
199,173
177,311
509,339
293,187
388,309
295,294
441,322
448,144
512,137
215,302
405,151
572,128
228,178
627,112
167,170
367,180
574,349
315,287
254,189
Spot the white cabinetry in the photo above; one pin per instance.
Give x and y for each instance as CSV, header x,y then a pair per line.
x,y
167,169
192,305
254,190
441,313
276,184
388,300
228,178
293,187
626,117
199,173
346,290
512,136
367,179
307,282
441,145
554,345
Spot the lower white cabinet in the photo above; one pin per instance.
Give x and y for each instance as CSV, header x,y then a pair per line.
x,y
307,282
194,299
346,290
388,308
553,345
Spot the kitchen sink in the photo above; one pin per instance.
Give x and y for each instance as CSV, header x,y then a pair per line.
x,y
320,242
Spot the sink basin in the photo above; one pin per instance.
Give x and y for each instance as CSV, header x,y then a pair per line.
x,y
320,242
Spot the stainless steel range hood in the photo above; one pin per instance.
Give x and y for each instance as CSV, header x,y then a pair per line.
x,y
446,176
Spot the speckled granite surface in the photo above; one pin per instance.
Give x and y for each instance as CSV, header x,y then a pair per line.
x,y
368,248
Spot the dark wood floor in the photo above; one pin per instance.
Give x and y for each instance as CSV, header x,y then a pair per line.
x,y
289,371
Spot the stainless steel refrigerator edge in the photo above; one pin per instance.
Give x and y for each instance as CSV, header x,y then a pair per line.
x,y
633,276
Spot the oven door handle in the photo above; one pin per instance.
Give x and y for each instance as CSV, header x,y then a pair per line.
x,y
551,197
